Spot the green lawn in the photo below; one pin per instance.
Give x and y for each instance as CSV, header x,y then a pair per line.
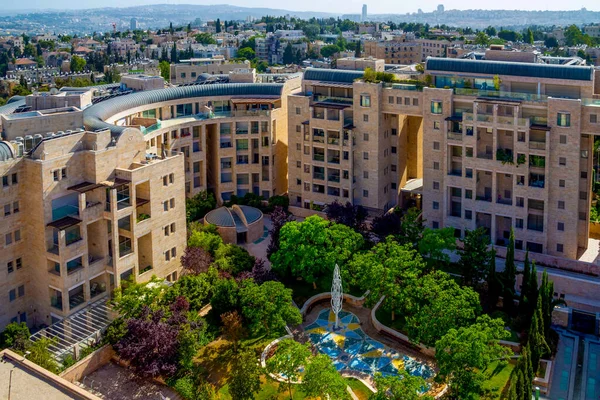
x,y
302,290
359,388
497,379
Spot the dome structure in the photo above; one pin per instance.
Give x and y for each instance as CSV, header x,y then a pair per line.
x,y
238,224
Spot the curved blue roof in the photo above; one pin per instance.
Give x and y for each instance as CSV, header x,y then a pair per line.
x,y
11,106
331,75
252,214
5,151
94,116
571,72
220,217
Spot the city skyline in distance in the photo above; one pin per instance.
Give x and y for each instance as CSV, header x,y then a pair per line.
x,y
337,7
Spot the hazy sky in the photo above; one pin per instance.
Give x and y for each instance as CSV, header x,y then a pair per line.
x,y
335,6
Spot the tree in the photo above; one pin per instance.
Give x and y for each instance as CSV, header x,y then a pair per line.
x,y
436,305
225,296
475,257
196,288
388,269
246,53
462,355
77,64
233,259
40,354
529,36
435,243
287,360
403,386
279,217
347,214
174,57
197,206
233,328
210,242
196,260
268,307
494,284
260,273
244,382
288,54
165,72
218,26
322,380
310,249
509,274
329,50
16,336
130,300
205,38
389,223
550,42
357,51
536,339
482,39
411,227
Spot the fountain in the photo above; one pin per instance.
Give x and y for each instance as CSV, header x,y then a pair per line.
x,y
337,295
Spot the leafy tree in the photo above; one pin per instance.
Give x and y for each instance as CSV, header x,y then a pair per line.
x,y
550,42
510,36
77,64
287,360
546,294
347,214
130,300
529,38
388,223
233,328
233,259
40,354
357,51
574,36
279,217
482,39
536,339
260,273
435,243
403,386
388,269
411,227
165,72
494,284
200,204
205,38
463,354
310,249
16,336
225,296
174,53
491,31
197,289
475,257
218,26
322,380
246,53
329,50
268,307
244,382
196,260
210,242
436,305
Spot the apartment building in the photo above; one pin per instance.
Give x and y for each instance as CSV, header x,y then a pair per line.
x,y
188,71
498,145
405,50
82,211
233,136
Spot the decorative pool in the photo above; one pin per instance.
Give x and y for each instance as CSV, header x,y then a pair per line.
x,y
352,350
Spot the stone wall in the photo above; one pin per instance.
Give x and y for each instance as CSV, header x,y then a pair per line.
x,y
89,364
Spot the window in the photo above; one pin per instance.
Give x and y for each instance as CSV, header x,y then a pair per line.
x,y
582,195
436,145
393,168
521,136
298,164
582,216
63,173
365,193
21,290
559,247
7,210
366,174
469,152
593,119
519,223
562,161
436,205
561,183
298,111
365,117
167,255
563,119
560,226
583,174
172,203
436,186
55,175
365,100
9,267
12,295
345,174
8,239
19,263
165,205
436,165
173,252
15,179
436,107
468,214
366,137
468,172
435,224
436,125
563,139
468,194
391,99
365,155
298,129
520,202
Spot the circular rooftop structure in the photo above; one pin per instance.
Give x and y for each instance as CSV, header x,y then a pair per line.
x,y
238,224
6,152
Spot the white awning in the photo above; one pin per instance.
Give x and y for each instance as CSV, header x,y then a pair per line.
x,y
413,186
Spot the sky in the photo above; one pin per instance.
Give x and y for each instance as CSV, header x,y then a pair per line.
x,y
333,6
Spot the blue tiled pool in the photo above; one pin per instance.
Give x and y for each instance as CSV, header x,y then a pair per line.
x,y
352,350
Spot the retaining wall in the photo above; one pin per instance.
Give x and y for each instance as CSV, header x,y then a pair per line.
x,y
89,364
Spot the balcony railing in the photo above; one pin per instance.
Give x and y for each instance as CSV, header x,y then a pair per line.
x,y
537,145
53,248
319,175
65,211
485,155
455,172
485,118
501,94
455,136
333,178
56,302
503,200
484,198
332,99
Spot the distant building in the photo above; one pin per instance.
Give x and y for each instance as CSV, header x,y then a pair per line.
x,y
133,24
364,13
592,31
440,8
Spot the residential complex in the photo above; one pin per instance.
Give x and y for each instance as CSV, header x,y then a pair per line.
x,y
489,144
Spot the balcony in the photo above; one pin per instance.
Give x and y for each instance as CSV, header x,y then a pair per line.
x,y
455,136
504,200
74,266
455,172
65,211
333,177
500,94
535,145
484,198
56,302
76,297
53,248
332,99
319,176
485,118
